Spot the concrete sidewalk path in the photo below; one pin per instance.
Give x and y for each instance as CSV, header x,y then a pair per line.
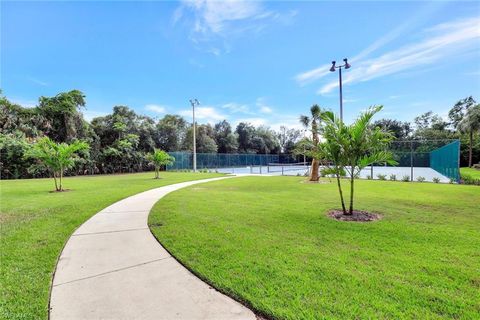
x,y
113,268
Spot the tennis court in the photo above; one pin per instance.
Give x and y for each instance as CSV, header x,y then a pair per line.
x,y
374,172
425,160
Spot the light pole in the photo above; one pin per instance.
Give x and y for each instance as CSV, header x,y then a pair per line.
x,y
332,69
194,102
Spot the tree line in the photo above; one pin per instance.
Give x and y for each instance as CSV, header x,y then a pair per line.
x,y
119,142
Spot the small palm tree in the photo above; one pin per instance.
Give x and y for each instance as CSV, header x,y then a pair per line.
x,y
313,122
158,159
470,124
353,147
57,157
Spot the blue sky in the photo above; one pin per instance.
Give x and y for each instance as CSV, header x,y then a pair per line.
x,y
262,62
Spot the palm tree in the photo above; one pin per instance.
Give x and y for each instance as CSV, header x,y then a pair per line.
x,y
470,124
57,157
159,158
354,147
313,122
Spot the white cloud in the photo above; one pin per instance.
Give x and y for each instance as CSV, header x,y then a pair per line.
x,y
37,81
393,97
237,108
275,121
90,114
439,42
253,121
260,104
208,114
216,23
155,108
24,103
263,107
323,70
214,16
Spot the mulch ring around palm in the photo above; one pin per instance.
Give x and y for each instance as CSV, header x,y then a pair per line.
x,y
315,182
356,216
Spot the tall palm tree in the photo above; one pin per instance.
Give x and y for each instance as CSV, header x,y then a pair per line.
x,y
313,122
470,124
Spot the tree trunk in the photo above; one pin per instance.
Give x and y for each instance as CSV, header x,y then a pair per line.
x,y
470,150
157,173
341,193
352,184
55,179
61,176
314,176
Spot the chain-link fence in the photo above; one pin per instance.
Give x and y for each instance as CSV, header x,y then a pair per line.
x,y
184,160
418,160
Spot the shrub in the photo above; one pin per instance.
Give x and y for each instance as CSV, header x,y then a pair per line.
x,y
406,178
436,180
369,177
420,179
382,176
56,157
476,166
467,179
328,171
354,146
393,177
158,159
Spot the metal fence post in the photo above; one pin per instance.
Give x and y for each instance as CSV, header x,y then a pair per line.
x,y
411,161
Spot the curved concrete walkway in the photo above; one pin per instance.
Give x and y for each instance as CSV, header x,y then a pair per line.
x,y
113,268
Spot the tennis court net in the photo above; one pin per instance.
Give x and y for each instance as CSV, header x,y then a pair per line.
x,y
301,167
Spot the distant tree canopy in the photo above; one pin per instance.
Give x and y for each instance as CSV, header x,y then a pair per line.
x,y
401,130
120,141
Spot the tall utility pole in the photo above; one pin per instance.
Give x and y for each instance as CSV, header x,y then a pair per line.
x,y
194,102
332,69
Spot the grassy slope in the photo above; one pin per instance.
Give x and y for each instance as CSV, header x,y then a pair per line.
x,y
35,224
267,241
474,173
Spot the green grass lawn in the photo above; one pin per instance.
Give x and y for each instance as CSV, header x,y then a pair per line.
x,y
35,224
474,173
268,242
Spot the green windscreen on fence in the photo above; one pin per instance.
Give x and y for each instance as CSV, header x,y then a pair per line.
x,y
184,160
440,155
446,160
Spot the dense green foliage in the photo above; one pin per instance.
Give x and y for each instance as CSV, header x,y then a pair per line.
x,y
36,224
267,241
119,141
